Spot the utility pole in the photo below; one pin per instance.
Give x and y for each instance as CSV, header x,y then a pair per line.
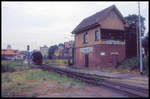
x,y
28,48
137,39
141,62
4,53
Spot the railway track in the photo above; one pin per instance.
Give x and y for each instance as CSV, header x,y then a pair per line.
x,y
131,91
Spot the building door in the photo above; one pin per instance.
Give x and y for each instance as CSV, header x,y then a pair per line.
x,y
114,60
86,60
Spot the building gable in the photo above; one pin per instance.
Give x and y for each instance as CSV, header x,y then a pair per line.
x,y
93,20
112,21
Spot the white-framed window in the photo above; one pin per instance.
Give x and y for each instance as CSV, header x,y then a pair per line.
x,y
85,38
97,35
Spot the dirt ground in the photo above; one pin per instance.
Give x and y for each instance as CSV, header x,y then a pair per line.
x,y
53,89
16,84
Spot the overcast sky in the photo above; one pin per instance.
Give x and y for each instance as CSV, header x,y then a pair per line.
x,y
49,23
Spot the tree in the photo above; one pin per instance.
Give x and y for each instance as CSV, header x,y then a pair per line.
x,y
132,20
132,35
61,44
145,43
145,40
51,51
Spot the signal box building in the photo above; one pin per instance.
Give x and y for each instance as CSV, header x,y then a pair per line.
x,y
99,39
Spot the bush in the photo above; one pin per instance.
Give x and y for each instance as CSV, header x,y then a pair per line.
x,y
146,64
11,66
134,63
6,67
130,63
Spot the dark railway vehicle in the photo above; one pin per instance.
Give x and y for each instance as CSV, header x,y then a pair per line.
x,y
37,58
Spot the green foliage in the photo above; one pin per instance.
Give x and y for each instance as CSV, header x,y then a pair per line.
x,y
72,84
6,78
56,62
146,64
129,63
133,20
51,51
16,83
145,41
35,95
11,87
134,63
38,75
14,89
11,66
60,44
108,69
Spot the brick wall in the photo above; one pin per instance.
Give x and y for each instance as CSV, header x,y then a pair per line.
x,y
98,61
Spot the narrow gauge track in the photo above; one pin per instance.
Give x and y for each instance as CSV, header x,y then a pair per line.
x,y
131,91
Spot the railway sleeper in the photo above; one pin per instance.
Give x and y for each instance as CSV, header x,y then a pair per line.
x,y
90,76
135,92
128,92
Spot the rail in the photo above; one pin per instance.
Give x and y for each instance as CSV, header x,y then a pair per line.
x,y
131,91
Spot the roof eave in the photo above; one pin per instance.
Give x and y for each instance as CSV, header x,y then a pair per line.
x,y
85,28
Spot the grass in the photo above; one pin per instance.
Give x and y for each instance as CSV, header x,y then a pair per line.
x,y
133,64
60,62
11,66
109,69
146,65
129,65
18,83
12,87
35,95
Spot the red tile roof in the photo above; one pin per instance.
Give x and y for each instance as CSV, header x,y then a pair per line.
x,y
9,52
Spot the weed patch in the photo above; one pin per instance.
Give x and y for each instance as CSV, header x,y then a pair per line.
x,y
16,84
12,66
62,62
134,64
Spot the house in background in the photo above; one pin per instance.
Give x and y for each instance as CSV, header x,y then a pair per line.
x,y
11,54
60,50
99,39
68,49
44,51
19,56
8,54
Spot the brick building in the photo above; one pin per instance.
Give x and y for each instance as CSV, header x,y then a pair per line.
x,y
99,39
